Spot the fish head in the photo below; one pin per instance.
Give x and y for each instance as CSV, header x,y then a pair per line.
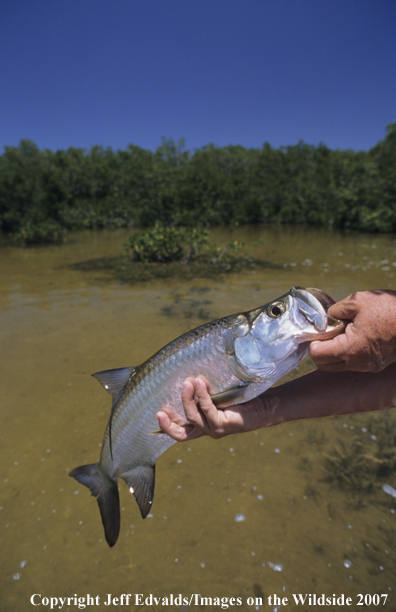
x,y
273,339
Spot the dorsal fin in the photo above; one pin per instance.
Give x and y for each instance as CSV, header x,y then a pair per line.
x,y
114,382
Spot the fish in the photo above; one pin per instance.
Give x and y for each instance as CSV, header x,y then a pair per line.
x,y
240,355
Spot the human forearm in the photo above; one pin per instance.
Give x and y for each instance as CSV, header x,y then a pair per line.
x,y
317,394
320,394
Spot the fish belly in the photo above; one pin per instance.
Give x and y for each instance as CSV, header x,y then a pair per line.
x,y
160,385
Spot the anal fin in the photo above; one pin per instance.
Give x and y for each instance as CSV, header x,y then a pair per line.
x,y
140,480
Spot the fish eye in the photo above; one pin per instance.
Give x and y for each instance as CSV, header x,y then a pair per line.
x,y
276,310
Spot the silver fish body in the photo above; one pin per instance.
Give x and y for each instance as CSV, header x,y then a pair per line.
x,y
241,355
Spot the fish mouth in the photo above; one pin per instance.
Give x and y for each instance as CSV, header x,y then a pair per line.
x,y
314,304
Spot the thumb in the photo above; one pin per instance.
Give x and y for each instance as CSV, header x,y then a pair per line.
x,y
345,309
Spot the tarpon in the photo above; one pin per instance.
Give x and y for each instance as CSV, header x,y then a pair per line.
x,y
241,355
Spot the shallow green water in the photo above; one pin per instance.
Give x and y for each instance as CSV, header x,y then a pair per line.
x,y
300,533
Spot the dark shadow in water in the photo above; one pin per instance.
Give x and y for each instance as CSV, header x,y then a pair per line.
x,y
130,272
188,309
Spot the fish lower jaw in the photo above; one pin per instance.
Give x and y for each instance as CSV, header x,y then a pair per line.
x,y
326,334
331,332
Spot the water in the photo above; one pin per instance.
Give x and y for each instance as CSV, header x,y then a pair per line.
x,y
303,530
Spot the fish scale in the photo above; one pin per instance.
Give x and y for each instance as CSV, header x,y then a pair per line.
x,y
202,353
240,356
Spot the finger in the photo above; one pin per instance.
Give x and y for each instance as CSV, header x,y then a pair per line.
x,y
180,433
191,410
202,392
329,351
205,401
322,355
215,419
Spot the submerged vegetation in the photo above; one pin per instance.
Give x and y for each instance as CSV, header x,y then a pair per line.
x,y
359,467
187,253
43,194
354,467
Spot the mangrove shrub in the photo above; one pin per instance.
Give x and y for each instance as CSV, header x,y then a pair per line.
x,y
44,193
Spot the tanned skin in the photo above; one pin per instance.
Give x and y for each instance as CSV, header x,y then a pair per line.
x,y
357,373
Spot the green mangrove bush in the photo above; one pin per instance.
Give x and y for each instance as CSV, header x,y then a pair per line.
x,y
44,193
165,244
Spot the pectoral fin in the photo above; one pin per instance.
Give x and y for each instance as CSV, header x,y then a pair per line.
x,y
160,431
230,396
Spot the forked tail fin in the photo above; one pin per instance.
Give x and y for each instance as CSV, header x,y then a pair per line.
x,y
106,492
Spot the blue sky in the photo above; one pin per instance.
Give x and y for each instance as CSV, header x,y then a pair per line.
x,y
86,72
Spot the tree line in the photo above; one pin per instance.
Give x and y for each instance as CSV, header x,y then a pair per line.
x,y
44,193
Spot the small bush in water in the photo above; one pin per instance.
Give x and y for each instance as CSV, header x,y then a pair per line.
x,y
166,244
41,232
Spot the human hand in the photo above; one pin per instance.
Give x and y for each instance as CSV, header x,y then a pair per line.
x,y
206,419
369,341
